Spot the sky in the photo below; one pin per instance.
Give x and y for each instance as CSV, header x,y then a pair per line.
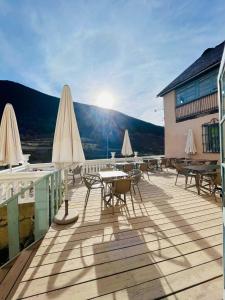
x,y
130,49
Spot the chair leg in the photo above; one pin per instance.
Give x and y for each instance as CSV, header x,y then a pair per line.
x,y
86,198
176,178
139,192
113,204
186,181
132,200
134,190
102,197
81,178
74,180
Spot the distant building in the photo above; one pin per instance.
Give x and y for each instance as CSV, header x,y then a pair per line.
x,y
190,101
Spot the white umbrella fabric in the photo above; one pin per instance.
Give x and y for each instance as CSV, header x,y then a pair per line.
x,y
190,147
10,145
67,146
126,148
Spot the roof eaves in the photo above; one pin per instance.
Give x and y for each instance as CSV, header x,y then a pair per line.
x,y
166,91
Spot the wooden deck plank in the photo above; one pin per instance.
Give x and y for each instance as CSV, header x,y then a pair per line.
x,y
169,245
140,269
209,290
112,243
128,231
177,242
123,258
87,226
140,211
126,287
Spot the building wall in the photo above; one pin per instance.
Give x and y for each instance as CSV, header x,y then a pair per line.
x,y
176,133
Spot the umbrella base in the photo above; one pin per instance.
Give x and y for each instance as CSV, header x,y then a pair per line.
x,y
62,219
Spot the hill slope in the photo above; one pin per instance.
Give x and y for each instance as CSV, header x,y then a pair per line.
x,y
36,115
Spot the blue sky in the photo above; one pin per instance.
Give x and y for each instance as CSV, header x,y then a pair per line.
x,y
130,48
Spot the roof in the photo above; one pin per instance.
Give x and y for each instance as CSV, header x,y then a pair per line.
x,y
209,59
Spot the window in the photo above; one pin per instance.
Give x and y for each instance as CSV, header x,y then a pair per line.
x,y
210,137
203,86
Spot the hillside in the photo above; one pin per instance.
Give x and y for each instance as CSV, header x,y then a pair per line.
x,y
36,115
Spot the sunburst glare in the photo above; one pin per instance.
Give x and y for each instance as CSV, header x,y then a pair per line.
x,y
105,99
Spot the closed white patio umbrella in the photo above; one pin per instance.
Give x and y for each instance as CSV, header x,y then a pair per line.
x,y
67,147
126,148
10,145
190,147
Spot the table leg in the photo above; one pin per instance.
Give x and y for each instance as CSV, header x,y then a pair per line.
x,y
198,182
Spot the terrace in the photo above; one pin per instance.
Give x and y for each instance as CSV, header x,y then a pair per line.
x,y
169,246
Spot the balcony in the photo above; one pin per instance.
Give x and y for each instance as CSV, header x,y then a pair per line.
x,y
169,246
194,109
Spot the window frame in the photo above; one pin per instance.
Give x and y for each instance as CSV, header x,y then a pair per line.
x,y
210,144
195,85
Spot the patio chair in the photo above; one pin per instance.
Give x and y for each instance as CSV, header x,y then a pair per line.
x,y
153,164
135,177
212,180
208,177
76,171
164,163
122,187
217,184
127,168
92,182
144,169
182,171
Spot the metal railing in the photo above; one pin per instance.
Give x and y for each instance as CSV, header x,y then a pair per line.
x,y
47,192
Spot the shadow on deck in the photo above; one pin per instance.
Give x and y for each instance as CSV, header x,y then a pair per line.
x,y
169,246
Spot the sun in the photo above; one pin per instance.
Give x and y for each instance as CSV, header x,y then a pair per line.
x,y
105,99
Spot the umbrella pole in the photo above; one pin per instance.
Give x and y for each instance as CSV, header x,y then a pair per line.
x,y
64,217
66,193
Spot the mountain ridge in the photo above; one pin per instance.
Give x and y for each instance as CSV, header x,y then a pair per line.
x,y
36,114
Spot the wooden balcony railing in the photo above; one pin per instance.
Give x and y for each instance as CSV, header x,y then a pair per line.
x,y
205,105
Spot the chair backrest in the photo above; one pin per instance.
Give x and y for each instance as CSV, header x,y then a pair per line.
x,y
153,162
217,179
90,179
143,167
121,186
134,172
136,177
128,167
180,168
77,170
163,161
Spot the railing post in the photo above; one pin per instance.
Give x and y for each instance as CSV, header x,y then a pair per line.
x,y
56,191
60,187
13,227
52,198
41,224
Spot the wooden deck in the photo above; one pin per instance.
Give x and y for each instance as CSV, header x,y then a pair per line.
x,y
169,247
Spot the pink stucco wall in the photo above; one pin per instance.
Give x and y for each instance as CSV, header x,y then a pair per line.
x,y
176,133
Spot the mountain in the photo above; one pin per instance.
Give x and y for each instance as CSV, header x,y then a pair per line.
x,y
36,115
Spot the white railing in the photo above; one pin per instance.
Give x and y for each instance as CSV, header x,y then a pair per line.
x,y
12,183
95,165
